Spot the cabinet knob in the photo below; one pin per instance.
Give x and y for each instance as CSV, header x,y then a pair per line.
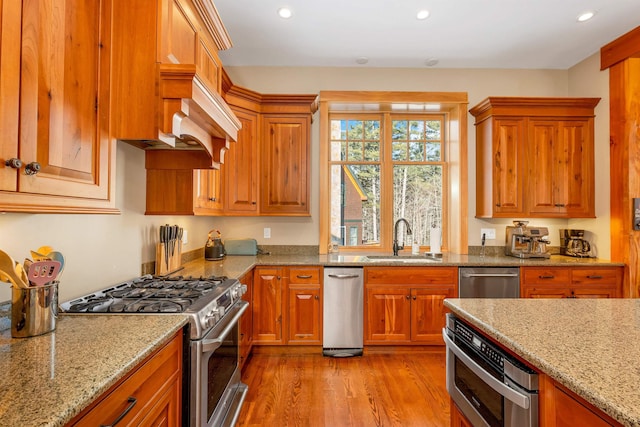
x,y
212,199
13,163
415,297
317,296
253,203
32,168
408,297
497,205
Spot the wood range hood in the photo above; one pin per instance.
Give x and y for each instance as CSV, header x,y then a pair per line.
x,y
166,83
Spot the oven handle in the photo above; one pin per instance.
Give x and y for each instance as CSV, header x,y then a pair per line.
x,y
507,392
212,344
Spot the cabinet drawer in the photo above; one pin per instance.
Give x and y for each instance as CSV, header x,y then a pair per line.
x,y
592,276
141,390
304,275
411,275
549,275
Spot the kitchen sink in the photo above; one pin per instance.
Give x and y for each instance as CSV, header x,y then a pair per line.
x,y
414,259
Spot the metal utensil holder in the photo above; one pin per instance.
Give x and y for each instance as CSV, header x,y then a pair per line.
x,y
34,310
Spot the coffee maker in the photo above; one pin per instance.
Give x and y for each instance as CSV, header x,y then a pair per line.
x,y
526,242
573,243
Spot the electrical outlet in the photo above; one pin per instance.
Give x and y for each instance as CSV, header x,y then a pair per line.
x,y
185,239
489,233
267,233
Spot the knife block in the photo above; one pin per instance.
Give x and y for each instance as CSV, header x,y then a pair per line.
x,y
166,262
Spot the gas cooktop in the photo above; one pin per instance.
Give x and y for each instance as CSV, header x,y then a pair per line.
x,y
149,294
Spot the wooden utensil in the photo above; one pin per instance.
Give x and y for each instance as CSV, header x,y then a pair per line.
x,y
43,272
8,268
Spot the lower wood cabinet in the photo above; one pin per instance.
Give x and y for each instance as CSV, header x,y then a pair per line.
x,y
406,305
457,418
246,321
287,305
151,395
560,407
571,282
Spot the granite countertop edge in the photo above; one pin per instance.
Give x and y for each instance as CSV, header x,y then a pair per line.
x,y
602,402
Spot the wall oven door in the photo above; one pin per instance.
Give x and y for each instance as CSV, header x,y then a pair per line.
x,y
485,392
217,393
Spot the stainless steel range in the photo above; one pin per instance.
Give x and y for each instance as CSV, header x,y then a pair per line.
x,y
214,307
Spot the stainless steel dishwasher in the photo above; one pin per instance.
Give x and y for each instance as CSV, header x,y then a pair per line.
x,y
489,282
343,312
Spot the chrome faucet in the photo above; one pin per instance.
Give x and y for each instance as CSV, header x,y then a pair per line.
x,y
396,246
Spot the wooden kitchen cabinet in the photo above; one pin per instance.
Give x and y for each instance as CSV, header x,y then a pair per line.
x,y
287,305
208,189
535,157
559,407
241,167
152,391
457,418
406,305
571,282
285,171
246,321
305,305
54,107
267,305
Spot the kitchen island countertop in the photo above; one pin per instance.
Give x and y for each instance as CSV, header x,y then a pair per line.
x,y
49,379
590,346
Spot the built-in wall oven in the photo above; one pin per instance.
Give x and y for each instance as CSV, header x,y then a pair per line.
x,y
212,391
489,386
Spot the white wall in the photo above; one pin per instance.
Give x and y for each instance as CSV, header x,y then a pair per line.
x,y
102,250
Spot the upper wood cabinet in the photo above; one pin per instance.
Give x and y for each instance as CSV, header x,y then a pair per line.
x,y
167,77
55,62
535,157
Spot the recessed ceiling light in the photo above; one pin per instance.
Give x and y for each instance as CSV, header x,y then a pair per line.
x,y
284,12
362,60
422,14
430,62
585,16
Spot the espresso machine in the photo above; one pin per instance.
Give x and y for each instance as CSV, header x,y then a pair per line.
x,y
573,243
523,241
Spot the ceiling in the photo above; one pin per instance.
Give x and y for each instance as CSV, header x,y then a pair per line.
x,y
530,34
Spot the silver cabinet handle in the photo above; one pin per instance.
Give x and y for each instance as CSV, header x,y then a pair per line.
x,y
490,275
507,392
344,276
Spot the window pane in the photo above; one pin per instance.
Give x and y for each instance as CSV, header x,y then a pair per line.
x,y
355,204
417,130
372,130
416,151
355,152
433,129
418,199
372,152
399,128
434,152
355,130
399,151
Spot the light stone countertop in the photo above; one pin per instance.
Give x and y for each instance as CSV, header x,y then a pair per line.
x,y
236,266
48,379
591,346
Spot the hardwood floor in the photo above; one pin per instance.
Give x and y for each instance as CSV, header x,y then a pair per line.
x,y
405,387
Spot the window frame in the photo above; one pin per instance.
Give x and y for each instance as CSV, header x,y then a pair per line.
x,y
452,106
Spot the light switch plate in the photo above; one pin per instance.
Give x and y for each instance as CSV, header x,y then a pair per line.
x,y
267,233
489,233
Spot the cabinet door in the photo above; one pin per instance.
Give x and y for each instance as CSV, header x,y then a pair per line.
x,y
541,157
508,170
284,185
601,291
457,417
10,18
241,166
64,98
267,306
388,314
545,291
305,315
428,313
208,190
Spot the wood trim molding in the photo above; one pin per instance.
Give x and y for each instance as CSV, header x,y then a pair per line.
x,y
625,46
212,21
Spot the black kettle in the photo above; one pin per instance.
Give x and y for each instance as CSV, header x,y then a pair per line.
x,y
214,249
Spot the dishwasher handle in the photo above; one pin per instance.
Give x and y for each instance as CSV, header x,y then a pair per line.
x,y
344,276
490,275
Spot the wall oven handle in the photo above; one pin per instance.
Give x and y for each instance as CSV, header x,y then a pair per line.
x,y
504,390
212,344
490,275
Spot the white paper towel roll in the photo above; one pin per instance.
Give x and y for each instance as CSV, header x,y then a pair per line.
x,y
434,240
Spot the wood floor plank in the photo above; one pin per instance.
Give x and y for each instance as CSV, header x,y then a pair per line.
x,y
378,389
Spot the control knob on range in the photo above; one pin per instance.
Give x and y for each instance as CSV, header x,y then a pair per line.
x,y
238,291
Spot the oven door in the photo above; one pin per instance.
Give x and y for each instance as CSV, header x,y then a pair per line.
x,y
482,397
217,393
